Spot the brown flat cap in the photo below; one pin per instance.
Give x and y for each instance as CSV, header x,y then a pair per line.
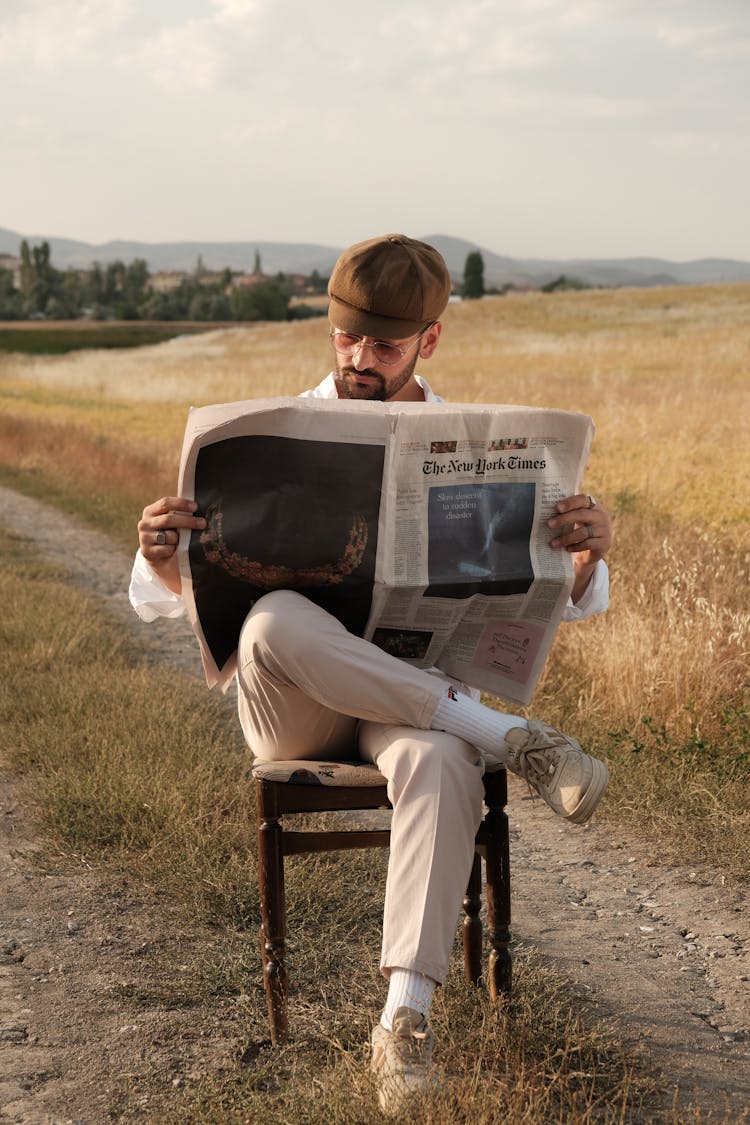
x,y
390,287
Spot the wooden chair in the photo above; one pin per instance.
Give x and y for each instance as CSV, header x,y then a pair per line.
x,y
308,787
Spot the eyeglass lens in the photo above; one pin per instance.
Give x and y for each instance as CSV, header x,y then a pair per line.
x,y
346,343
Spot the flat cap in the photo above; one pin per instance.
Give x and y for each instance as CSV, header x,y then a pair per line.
x,y
390,287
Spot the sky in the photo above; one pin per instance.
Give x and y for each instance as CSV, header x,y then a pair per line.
x,y
532,128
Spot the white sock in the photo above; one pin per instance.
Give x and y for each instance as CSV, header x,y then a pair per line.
x,y
484,728
407,989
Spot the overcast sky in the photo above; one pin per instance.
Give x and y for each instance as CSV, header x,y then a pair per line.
x,y
535,128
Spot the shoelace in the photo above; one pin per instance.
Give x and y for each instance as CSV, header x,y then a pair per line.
x,y
538,765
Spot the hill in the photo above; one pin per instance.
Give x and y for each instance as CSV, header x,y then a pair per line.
x,y
302,257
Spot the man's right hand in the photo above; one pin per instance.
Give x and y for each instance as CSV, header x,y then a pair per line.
x,y
159,533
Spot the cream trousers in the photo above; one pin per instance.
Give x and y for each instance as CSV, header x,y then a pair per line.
x,y
309,689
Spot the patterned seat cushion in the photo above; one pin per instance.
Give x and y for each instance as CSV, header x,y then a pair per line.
x,y
304,772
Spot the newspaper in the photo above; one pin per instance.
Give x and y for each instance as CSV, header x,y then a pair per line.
x,y
421,526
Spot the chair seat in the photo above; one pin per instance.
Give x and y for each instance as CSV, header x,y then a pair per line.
x,y
340,774
349,774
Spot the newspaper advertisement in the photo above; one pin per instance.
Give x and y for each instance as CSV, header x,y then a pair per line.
x,y
420,526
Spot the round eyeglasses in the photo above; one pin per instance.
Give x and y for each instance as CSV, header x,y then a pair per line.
x,y
347,343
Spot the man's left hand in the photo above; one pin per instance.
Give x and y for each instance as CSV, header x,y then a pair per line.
x,y
582,527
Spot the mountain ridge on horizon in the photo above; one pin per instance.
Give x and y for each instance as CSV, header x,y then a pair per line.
x,y
304,258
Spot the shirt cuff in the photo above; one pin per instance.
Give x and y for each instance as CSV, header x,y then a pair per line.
x,y
149,597
595,598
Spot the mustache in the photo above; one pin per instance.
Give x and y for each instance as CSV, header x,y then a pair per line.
x,y
368,371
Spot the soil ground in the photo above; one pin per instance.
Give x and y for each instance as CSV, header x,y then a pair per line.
x,y
660,950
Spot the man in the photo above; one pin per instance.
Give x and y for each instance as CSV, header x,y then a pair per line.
x,y
308,688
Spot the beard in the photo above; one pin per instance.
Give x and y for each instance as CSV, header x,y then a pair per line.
x,y
374,386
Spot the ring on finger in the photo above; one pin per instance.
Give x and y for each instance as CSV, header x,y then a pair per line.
x,y
590,530
592,501
160,538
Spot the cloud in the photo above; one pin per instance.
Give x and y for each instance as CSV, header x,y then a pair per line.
x,y
710,42
183,57
232,11
46,33
468,33
204,52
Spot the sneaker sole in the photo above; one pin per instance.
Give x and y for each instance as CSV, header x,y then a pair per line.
x,y
593,795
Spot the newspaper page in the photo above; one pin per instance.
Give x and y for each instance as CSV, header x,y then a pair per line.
x,y
421,527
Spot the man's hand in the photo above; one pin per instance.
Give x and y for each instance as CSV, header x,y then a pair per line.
x,y
159,533
585,530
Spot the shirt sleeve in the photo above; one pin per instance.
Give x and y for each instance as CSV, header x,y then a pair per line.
x,y
149,597
595,598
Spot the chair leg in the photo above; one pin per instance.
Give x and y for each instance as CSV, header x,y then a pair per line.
x,y
498,892
273,927
472,927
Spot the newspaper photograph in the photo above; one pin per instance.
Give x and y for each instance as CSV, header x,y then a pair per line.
x,y
421,527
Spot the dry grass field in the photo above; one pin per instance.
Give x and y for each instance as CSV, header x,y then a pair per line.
x,y
658,686
663,372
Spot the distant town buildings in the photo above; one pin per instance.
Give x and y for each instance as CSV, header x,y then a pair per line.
x,y
31,286
12,264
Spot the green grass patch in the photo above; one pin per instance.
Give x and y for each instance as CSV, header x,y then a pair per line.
x,y
695,799
57,339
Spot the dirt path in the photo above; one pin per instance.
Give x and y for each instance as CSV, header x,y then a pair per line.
x,y
660,949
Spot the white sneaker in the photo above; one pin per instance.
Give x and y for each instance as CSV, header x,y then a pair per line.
x,y
401,1059
571,782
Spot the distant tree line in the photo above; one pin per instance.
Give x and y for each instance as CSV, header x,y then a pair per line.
x,y
474,285
563,283
117,291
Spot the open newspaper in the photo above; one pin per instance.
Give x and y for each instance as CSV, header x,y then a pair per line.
x,y
421,527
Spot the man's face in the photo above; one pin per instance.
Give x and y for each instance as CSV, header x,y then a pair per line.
x,y
361,376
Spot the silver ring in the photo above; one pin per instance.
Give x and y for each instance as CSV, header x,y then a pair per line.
x,y
590,529
592,501
161,538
